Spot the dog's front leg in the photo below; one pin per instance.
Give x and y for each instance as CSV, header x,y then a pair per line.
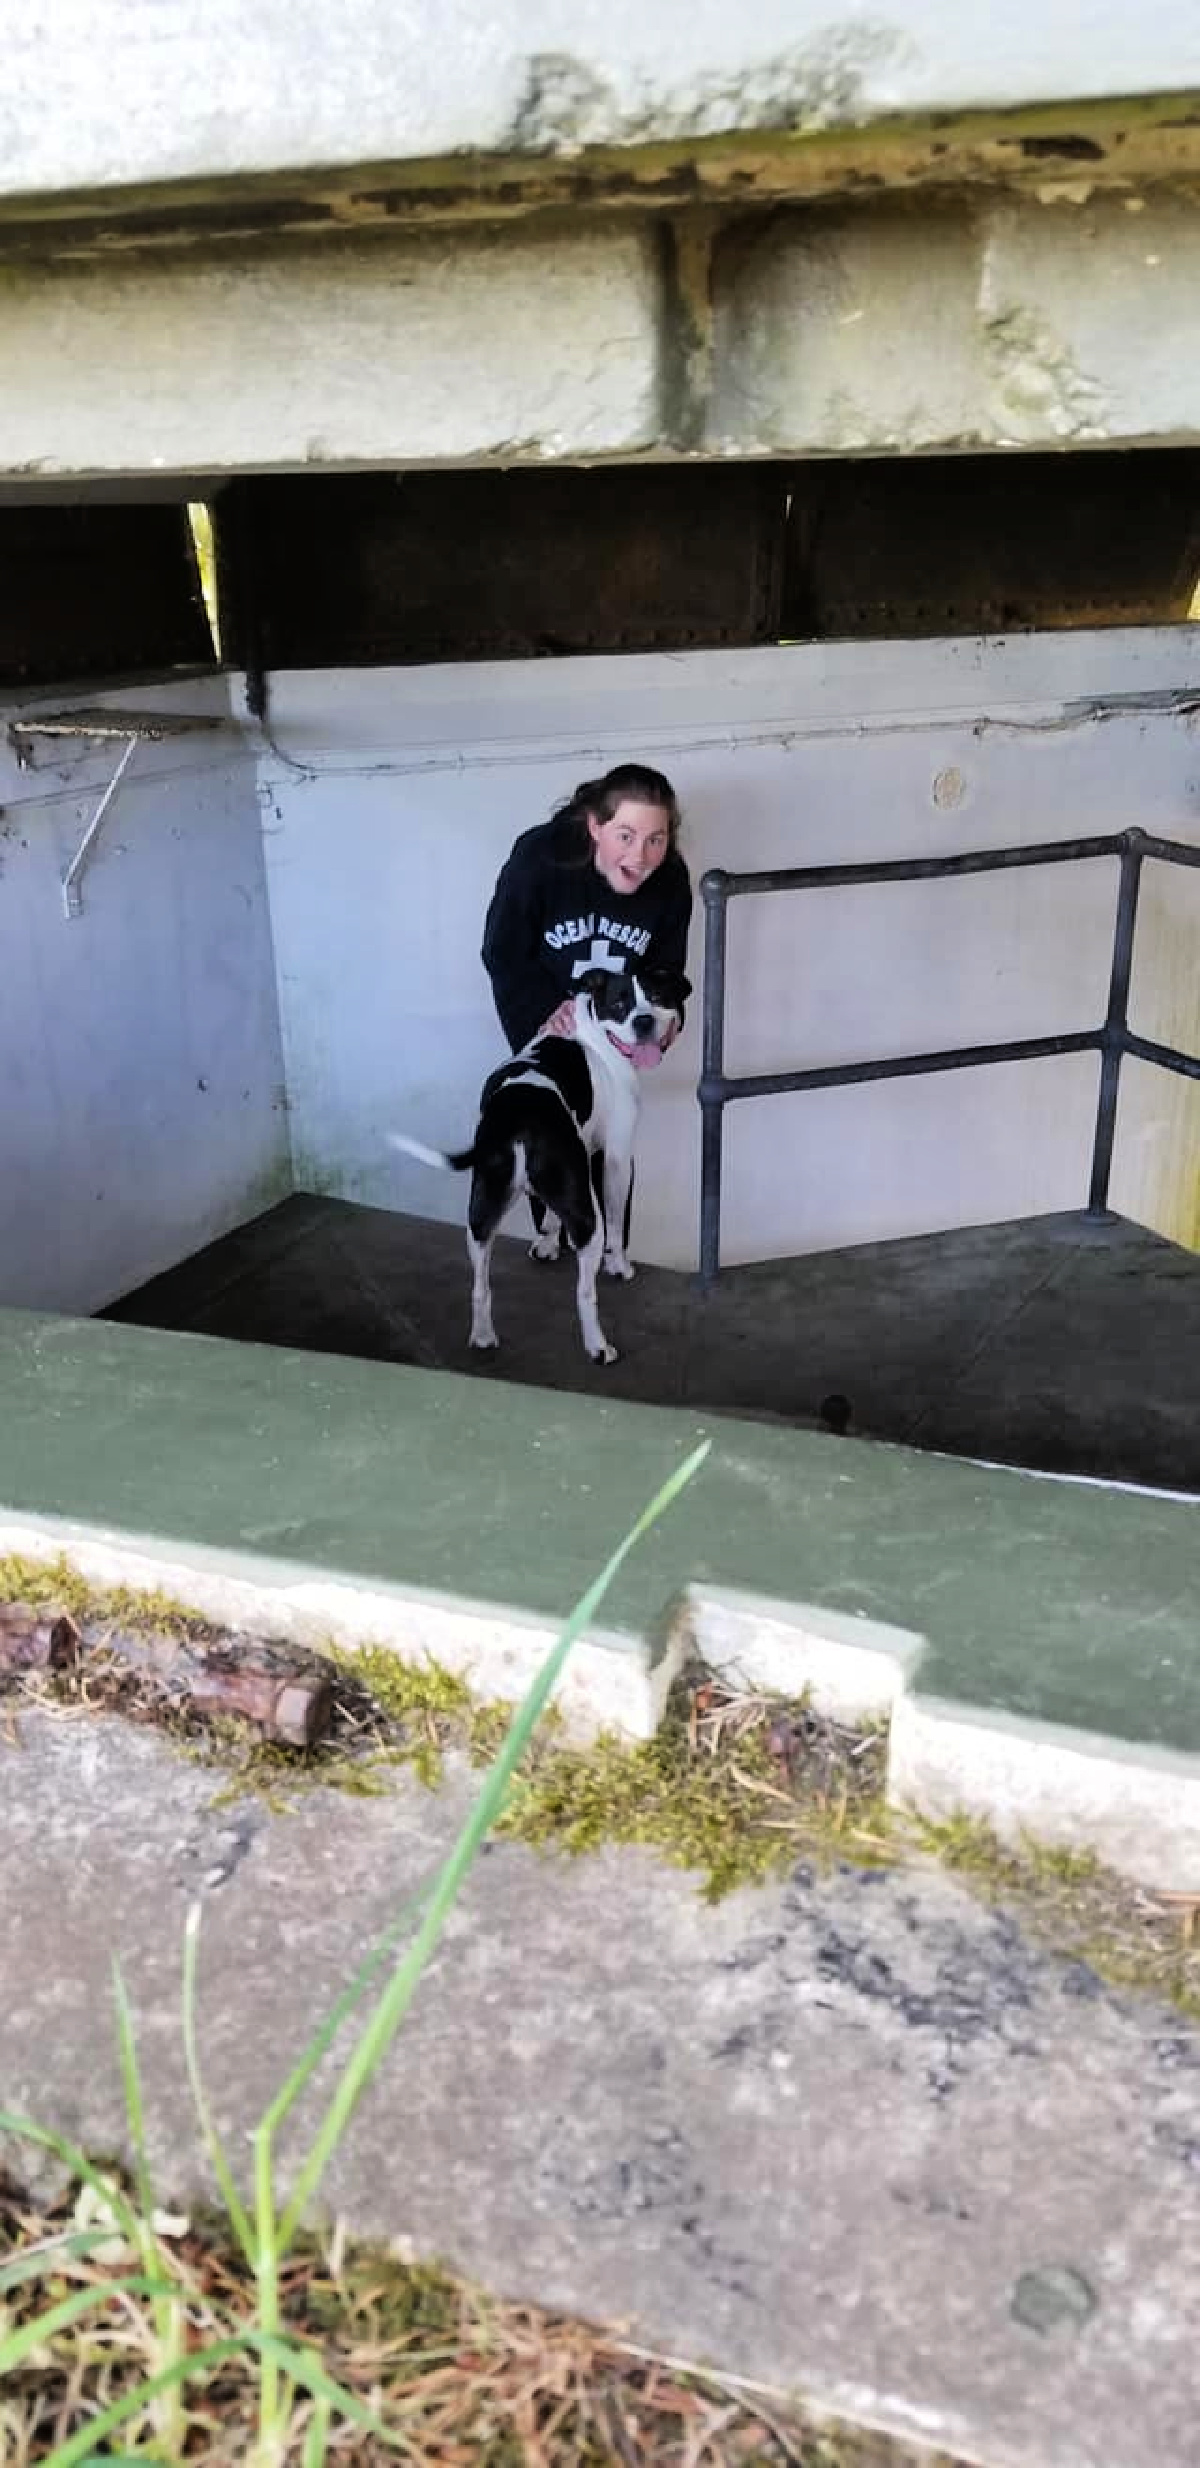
x,y
618,1176
589,1255
483,1330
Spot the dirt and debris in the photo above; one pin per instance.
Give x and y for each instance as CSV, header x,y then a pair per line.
x,y
33,1641
284,1695
735,1786
453,2374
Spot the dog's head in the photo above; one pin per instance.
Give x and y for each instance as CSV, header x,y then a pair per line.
x,y
632,1010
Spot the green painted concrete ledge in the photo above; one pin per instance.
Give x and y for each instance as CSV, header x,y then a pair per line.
x,y
1049,1620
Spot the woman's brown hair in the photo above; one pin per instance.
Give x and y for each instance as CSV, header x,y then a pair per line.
x,y
601,798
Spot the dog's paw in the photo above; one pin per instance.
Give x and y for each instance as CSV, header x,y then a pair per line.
x,y
483,1340
604,1353
616,1265
545,1247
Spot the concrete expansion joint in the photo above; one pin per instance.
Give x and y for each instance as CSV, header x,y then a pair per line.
x,y
686,336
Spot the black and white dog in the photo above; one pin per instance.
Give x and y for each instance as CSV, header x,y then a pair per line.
x,y
544,1116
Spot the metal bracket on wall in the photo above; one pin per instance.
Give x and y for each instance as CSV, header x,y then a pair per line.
x,y
128,729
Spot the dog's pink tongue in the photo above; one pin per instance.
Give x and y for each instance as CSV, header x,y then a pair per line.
x,y
646,1057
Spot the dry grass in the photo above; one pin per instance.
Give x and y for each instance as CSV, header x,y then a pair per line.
x,y
454,2377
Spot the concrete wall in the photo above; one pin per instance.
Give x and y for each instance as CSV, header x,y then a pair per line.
x,y
142,1109
382,849
405,348
1058,318
143,1055
318,236
293,84
1047,320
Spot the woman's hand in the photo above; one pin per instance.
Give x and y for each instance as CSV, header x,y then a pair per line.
x,y
561,1023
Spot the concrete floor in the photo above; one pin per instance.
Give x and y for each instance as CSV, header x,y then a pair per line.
x,y
1060,1342
852,2134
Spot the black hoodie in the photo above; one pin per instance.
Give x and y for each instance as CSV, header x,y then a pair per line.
x,y
551,918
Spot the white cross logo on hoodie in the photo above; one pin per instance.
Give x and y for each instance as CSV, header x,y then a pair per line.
x,y
602,956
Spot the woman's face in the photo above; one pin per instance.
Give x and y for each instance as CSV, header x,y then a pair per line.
x,y
630,844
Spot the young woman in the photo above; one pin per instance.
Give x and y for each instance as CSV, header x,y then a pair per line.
x,y
600,884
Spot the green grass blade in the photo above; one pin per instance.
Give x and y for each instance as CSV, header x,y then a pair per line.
x,y
110,2459
131,2084
167,2311
304,2366
21,2343
50,2256
316,2438
234,2206
382,2025
324,2037
81,2447
44,2138
272,2405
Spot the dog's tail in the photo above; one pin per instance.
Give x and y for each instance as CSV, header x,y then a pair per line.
x,y
451,1162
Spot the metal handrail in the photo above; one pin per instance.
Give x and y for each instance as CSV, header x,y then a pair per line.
x,y
1112,1040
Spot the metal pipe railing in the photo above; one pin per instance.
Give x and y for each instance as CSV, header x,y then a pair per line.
x,y
1112,1040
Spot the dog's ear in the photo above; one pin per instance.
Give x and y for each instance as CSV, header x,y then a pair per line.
x,y
593,982
668,987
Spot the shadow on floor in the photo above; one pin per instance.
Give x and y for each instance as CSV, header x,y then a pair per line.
x,y
1061,1342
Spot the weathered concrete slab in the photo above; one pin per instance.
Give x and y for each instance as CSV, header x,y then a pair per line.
x,y
316,1496
241,211
1067,318
853,2136
217,95
390,348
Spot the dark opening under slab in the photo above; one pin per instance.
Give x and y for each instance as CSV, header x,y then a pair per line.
x,y
1067,1343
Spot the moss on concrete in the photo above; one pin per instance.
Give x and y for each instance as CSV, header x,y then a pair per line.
x,y
736,1787
735,1790
733,1787
59,1586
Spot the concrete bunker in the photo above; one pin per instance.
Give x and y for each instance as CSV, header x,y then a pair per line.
x,y
244,876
